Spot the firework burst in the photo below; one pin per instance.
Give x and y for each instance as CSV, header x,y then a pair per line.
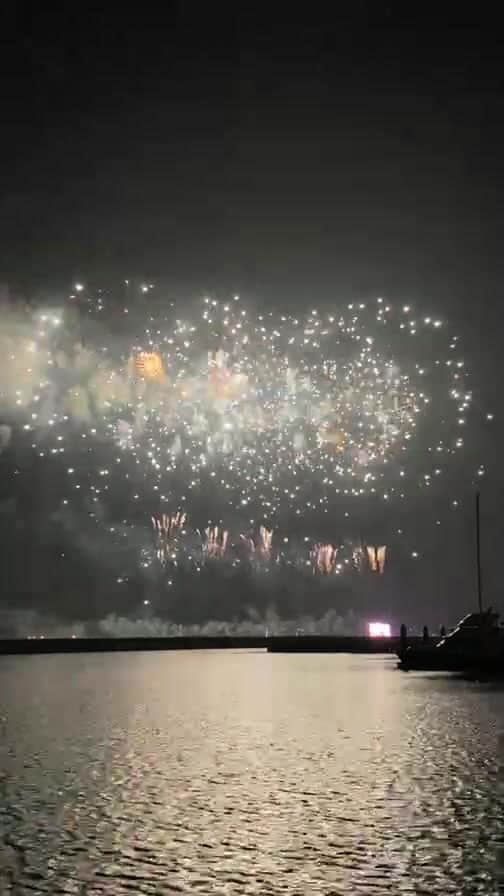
x,y
268,421
167,529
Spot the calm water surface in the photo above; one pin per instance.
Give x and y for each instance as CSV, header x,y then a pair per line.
x,y
245,773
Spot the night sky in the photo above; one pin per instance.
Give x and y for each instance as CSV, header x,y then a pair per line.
x,y
292,158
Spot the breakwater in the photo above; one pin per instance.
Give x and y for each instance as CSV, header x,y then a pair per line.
x,y
273,644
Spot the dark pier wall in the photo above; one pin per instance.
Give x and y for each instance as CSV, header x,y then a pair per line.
x,y
281,644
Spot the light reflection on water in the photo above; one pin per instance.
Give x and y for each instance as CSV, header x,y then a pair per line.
x,y
246,773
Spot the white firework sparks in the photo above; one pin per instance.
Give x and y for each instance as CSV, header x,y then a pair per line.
x,y
261,418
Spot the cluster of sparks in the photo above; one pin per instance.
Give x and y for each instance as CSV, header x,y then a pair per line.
x,y
270,417
215,542
168,529
273,406
261,546
178,545
376,557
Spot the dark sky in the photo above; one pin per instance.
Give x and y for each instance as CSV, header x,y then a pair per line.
x,y
281,153
292,156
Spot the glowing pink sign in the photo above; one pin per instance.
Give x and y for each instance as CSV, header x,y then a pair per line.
x,y
379,630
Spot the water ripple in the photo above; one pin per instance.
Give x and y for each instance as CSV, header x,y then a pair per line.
x,y
243,773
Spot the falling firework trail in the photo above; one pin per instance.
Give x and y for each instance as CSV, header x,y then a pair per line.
x,y
214,542
376,557
324,558
167,528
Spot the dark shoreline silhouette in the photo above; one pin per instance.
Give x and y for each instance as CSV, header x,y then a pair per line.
x,y
278,644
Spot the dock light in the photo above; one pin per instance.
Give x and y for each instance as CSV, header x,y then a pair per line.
x,y
379,630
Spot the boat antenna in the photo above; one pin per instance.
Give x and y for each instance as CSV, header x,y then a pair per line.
x,y
478,552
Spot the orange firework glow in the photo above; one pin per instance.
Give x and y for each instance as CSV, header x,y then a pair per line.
x,y
332,437
376,557
214,542
324,558
149,366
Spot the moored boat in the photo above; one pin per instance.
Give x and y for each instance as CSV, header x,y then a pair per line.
x,y
476,642
474,646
